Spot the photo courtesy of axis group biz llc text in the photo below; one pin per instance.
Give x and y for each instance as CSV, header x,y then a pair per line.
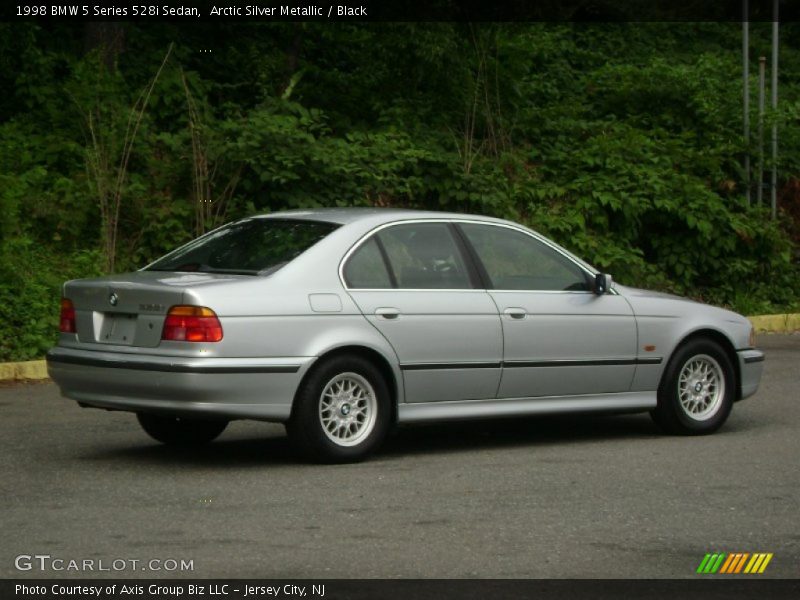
x,y
174,589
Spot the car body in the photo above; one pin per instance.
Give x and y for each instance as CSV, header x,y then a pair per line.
x,y
434,316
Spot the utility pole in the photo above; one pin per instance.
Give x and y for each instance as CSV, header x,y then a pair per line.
x,y
762,66
774,182
746,95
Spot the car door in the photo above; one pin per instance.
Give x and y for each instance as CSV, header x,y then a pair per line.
x,y
413,282
559,337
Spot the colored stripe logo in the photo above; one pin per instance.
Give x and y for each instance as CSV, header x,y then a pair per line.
x,y
732,563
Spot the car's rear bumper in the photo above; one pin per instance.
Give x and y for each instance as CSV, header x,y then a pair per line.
x,y
751,365
251,388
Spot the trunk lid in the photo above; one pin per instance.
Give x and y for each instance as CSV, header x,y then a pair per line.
x,y
129,309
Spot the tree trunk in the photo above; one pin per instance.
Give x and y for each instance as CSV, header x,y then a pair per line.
x,y
106,37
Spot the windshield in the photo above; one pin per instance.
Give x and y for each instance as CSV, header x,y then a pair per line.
x,y
250,247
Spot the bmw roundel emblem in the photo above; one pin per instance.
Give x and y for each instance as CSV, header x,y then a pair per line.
x,y
113,299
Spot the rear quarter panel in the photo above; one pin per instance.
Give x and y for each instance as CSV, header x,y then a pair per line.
x,y
302,310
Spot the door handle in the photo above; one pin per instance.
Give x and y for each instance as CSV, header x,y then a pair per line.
x,y
515,313
387,312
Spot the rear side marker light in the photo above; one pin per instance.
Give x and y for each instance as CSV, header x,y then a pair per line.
x,y
66,323
191,324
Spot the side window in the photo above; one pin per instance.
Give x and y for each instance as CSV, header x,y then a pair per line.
x,y
366,269
517,261
424,256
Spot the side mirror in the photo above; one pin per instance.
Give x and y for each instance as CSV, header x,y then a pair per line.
x,y
602,283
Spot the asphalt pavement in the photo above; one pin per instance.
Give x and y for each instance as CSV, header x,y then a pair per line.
x,y
587,497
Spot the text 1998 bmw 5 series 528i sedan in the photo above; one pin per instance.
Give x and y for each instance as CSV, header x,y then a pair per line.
x,y
342,322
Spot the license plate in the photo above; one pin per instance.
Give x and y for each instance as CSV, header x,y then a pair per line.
x,y
118,328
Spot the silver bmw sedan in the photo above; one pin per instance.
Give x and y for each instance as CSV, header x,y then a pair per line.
x,y
341,323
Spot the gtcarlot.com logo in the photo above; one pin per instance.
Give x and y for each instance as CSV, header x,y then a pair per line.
x,y
46,562
734,563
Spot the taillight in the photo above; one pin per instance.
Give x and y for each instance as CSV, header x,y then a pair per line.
x,y
191,324
67,322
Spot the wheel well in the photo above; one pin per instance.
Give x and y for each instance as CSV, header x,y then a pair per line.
x,y
376,358
726,345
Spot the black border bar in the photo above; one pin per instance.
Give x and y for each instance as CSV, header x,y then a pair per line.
x,y
697,588
591,11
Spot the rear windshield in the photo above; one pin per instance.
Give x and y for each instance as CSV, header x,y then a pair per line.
x,y
249,247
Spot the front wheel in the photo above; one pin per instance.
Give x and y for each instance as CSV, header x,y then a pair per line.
x,y
697,390
177,431
341,412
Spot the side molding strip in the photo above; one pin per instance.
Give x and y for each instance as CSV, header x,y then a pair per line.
x,y
169,368
459,365
753,359
509,364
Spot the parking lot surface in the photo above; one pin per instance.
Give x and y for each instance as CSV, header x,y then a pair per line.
x,y
589,496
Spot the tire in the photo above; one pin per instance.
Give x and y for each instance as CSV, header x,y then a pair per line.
x,y
697,389
341,412
177,431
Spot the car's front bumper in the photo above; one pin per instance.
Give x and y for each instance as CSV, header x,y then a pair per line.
x,y
751,365
248,388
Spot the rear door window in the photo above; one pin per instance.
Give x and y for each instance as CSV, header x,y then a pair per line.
x,y
424,256
366,268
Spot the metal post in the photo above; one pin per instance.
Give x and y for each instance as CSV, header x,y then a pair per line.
x,y
762,65
746,96
773,191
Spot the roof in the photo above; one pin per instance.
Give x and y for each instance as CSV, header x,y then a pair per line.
x,y
344,216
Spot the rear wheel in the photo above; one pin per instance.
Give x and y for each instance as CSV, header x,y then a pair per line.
x,y
178,431
697,390
341,412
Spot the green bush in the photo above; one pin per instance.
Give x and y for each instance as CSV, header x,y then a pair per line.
x,y
30,294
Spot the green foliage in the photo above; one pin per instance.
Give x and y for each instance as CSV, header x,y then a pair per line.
x,y
620,141
30,295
